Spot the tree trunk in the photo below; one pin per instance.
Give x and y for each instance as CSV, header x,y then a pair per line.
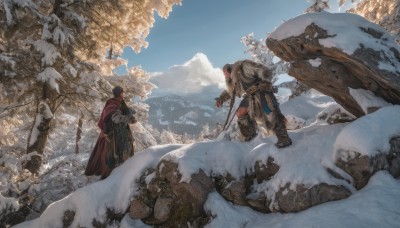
x,y
78,133
39,133
57,8
43,131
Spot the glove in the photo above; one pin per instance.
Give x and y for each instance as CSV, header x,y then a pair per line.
x,y
133,120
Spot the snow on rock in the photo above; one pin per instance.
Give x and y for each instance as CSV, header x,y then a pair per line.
x,y
335,113
315,62
352,52
294,122
345,38
367,100
369,135
376,205
306,106
305,163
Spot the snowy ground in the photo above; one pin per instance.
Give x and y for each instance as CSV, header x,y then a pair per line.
x,y
314,149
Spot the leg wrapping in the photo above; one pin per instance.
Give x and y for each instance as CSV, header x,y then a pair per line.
x,y
247,127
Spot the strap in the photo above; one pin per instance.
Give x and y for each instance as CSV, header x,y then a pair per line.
x,y
260,86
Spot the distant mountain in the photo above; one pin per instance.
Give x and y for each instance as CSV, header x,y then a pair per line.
x,y
181,114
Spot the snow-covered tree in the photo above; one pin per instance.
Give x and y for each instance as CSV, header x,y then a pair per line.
x,y
186,138
386,13
52,54
318,5
167,137
260,53
137,88
258,50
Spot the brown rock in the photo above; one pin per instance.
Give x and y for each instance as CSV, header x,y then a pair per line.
x,y
302,198
68,218
361,168
258,202
338,71
162,208
264,172
139,210
235,192
175,203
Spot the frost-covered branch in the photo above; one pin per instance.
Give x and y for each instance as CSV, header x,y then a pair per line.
x,y
4,108
259,52
317,6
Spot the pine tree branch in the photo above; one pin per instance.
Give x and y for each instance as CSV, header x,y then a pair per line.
x,y
7,108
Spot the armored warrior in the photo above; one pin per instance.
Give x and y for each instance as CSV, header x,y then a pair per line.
x,y
252,81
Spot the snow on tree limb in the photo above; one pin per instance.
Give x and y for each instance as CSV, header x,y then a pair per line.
x,y
48,50
261,53
50,75
7,60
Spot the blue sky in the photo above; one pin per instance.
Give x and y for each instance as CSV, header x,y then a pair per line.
x,y
212,27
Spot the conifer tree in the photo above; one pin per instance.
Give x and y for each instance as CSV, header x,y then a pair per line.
x,y
52,55
386,13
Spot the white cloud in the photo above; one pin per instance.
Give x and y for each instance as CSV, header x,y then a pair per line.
x,y
191,77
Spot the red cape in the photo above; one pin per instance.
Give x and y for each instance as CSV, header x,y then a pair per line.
x,y
111,106
101,153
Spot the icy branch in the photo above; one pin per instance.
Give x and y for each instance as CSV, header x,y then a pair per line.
x,y
48,50
50,75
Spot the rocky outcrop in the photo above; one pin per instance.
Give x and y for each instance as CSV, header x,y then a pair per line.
x,y
111,218
361,168
335,115
301,198
166,202
319,61
240,192
296,88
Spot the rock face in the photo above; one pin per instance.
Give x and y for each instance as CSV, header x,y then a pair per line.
x,y
288,200
303,198
331,61
295,87
167,202
336,115
361,168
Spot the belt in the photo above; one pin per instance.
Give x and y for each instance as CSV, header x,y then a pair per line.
x,y
260,86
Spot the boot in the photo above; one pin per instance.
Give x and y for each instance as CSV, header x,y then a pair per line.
x,y
247,127
283,138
